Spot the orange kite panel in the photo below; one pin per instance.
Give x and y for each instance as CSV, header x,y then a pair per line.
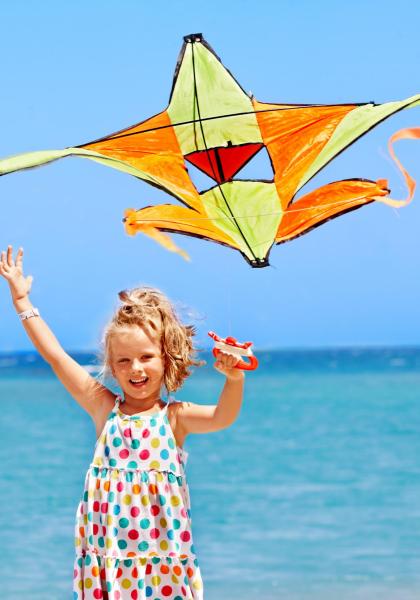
x,y
294,136
156,151
326,202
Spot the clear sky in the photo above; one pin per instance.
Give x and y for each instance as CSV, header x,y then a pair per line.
x,y
74,71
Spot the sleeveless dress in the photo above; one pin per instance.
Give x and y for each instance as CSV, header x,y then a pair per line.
x,y
133,525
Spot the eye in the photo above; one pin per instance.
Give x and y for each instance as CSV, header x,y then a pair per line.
x,y
121,360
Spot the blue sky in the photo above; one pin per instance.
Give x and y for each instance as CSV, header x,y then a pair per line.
x,y
72,72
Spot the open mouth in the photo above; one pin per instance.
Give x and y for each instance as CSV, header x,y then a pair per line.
x,y
138,383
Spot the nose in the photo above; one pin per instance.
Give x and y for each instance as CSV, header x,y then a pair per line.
x,y
136,365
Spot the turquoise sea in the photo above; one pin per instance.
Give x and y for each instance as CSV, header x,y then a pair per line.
x,y
313,494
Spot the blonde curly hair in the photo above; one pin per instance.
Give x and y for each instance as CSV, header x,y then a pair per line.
x,y
151,310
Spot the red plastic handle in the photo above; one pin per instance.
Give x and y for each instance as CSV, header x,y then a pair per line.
x,y
242,364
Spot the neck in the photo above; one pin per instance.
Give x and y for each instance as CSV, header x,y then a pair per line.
x,y
136,405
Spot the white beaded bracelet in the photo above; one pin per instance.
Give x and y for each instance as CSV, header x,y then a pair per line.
x,y
27,314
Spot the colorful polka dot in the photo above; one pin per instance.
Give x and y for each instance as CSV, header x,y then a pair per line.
x,y
134,503
143,546
133,534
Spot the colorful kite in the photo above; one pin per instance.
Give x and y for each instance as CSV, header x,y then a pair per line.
x,y
214,125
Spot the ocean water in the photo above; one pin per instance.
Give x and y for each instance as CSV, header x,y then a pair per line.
x,y
312,494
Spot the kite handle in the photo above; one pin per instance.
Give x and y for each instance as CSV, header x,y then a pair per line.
x,y
231,346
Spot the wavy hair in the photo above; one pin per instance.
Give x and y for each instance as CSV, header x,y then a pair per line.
x,y
151,310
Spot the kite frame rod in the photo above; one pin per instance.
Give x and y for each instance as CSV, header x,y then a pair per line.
x,y
210,162
118,134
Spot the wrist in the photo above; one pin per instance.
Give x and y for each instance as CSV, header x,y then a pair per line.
x,y
237,375
22,304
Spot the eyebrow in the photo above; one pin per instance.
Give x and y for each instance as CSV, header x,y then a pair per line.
x,y
122,355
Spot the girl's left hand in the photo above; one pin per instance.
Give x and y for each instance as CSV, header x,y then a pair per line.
x,y
225,363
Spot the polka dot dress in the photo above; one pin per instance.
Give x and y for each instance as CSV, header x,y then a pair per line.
x,y
133,525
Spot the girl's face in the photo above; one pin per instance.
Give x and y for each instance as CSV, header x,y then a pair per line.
x,y
137,364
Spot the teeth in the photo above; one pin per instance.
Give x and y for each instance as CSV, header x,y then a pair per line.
x,y
138,380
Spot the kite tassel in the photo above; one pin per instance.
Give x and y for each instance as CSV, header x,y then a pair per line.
x,y
411,133
132,226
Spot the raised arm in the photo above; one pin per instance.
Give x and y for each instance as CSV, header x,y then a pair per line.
x,y
199,418
84,388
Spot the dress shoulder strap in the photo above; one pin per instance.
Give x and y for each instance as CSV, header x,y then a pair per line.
x,y
117,401
170,400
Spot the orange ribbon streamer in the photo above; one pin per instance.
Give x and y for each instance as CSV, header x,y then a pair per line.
x,y
411,133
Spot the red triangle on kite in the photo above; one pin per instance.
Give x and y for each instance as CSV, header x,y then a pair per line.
x,y
222,163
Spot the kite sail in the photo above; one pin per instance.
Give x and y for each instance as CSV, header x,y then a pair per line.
x,y
213,124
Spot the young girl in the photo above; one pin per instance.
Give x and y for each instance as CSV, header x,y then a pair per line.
x,y
133,525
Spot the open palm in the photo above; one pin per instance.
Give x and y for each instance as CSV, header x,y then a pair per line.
x,y
12,270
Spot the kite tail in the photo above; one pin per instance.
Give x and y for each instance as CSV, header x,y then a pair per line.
x,y
132,226
411,133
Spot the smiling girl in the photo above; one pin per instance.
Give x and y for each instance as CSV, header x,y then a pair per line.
x,y
133,533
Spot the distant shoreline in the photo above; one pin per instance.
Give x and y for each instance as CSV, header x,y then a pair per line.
x,y
345,359
285,349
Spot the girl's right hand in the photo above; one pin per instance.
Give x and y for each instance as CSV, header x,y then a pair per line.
x,y
12,271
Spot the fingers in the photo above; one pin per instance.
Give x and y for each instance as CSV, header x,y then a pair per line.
x,y
3,262
226,361
10,256
19,258
7,262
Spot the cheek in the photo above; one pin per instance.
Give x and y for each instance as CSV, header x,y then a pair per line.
x,y
158,369
117,370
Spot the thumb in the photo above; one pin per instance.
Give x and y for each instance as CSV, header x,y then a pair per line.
x,y
29,281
